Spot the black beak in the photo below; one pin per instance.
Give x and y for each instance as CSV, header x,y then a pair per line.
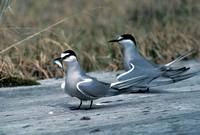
x,y
58,61
114,40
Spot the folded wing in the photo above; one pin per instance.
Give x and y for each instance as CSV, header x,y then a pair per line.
x,y
92,88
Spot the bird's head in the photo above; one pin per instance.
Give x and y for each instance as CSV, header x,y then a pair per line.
x,y
67,56
125,39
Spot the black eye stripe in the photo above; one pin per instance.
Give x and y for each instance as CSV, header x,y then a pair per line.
x,y
69,53
129,36
66,51
66,56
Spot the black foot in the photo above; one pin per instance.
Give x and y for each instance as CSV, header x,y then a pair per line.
x,y
76,108
80,104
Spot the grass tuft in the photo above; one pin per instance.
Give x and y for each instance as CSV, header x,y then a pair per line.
x,y
16,81
10,78
163,30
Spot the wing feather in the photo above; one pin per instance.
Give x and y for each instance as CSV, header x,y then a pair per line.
x,y
92,88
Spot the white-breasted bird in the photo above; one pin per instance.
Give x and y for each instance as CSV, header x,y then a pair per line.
x,y
78,84
136,65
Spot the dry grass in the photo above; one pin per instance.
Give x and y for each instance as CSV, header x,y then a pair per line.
x,y
9,77
163,29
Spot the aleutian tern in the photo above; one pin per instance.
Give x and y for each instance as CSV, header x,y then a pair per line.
x,y
78,84
136,65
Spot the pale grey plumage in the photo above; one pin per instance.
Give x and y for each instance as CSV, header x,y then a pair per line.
x,y
77,83
80,85
142,67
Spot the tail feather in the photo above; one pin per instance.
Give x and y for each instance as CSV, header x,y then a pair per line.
x,y
174,72
186,54
128,83
185,76
174,79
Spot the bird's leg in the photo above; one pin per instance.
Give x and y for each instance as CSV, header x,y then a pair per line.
x,y
91,104
80,104
76,108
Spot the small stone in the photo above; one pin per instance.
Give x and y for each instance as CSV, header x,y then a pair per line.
x,y
69,119
85,118
119,100
50,113
95,130
26,126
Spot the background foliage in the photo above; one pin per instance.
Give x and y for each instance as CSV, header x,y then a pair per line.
x,y
163,29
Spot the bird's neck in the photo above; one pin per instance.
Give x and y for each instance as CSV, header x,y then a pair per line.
x,y
73,66
130,53
130,50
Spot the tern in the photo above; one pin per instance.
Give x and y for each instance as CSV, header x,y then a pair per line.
x,y
136,65
82,86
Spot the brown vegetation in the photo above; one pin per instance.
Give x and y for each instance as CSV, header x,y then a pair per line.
x,y
163,29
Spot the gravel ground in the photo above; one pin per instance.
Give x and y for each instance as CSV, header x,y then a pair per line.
x,y
44,109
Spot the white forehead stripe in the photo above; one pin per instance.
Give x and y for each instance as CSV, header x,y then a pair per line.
x,y
119,38
63,55
70,58
127,41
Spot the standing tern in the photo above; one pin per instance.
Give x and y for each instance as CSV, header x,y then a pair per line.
x,y
78,84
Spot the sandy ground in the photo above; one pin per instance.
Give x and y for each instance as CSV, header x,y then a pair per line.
x,y
44,109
